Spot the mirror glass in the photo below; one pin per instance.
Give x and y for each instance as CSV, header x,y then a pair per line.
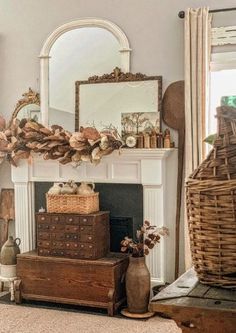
x,y
130,105
76,55
30,111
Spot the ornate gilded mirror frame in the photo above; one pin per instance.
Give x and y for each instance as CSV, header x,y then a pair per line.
x,y
30,97
116,76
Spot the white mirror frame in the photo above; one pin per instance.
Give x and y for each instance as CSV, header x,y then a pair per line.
x,y
81,23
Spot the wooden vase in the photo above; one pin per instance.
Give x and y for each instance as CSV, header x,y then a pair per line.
x,y
137,285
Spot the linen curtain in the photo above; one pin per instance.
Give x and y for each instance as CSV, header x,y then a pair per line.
x,y
197,64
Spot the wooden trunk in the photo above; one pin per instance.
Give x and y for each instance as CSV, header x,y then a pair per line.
x,y
96,283
73,235
197,308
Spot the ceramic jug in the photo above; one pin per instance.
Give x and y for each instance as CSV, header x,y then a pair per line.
x,y
9,251
55,189
85,189
67,188
73,185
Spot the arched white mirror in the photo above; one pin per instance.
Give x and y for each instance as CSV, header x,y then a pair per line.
x,y
74,52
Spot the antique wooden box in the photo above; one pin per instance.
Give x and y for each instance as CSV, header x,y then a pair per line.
x,y
96,283
73,235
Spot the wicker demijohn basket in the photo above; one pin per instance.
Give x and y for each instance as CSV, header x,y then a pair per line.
x,y
211,207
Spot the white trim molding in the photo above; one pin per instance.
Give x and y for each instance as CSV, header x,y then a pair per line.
x,y
222,61
223,36
44,56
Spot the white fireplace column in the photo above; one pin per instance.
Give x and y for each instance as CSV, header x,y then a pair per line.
x,y
24,206
155,169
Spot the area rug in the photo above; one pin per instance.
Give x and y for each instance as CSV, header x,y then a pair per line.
x,y
34,319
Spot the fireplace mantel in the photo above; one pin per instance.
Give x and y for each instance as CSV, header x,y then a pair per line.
x,y
155,169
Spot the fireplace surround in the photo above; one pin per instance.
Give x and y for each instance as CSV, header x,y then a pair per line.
x,y
154,169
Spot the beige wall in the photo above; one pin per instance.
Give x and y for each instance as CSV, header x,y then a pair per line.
x,y
154,30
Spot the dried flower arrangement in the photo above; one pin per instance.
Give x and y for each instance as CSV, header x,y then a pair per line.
x,y
147,237
22,138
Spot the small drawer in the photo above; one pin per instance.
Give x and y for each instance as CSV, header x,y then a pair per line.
x,y
57,227
86,229
45,244
58,253
72,228
57,236
57,245
43,235
43,218
42,226
71,245
43,252
73,254
86,238
85,220
72,219
58,219
71,237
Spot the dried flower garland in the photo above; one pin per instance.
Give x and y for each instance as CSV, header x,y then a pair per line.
x,y
147,237
22,138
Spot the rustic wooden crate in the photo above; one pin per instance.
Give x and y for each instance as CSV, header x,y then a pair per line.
x,y
96,283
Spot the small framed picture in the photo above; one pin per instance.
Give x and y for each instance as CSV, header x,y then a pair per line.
x,y
35,115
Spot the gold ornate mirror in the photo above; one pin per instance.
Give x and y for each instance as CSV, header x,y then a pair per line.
x,y
119,99
28,107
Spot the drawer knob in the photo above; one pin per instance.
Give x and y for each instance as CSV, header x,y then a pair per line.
x,y
42,218
82,229
89,237
82,245
56,219
53,227
47,226
67,245
85,220
75,237
62,253
76,245
70,219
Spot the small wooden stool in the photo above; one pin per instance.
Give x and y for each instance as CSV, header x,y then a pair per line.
x,y
11,285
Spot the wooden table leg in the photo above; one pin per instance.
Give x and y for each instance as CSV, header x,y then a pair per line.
x,y
1,286
12,292
111,303
17,288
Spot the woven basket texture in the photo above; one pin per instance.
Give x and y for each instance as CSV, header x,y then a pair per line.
x,y
211,207
73,203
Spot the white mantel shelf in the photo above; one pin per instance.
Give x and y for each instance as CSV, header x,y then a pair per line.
x,y
155,169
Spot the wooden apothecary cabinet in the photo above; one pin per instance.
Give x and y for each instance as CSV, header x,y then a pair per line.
x,y
73,235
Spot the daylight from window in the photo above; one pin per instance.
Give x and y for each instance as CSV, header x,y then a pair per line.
x,y
222,83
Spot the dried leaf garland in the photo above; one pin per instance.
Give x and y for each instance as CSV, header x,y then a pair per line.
x,y
22,138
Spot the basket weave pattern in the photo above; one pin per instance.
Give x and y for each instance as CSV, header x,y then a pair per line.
x,y
73,203
211,207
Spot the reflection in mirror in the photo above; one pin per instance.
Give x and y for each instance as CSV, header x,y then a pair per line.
x,y
78,53
117,99
28,107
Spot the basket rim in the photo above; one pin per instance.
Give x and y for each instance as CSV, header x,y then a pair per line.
x,y
72,195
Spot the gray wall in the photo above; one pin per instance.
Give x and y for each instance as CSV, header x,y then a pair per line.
x,y
154,30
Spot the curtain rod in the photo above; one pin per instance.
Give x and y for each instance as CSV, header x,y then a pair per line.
x,y
182,12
